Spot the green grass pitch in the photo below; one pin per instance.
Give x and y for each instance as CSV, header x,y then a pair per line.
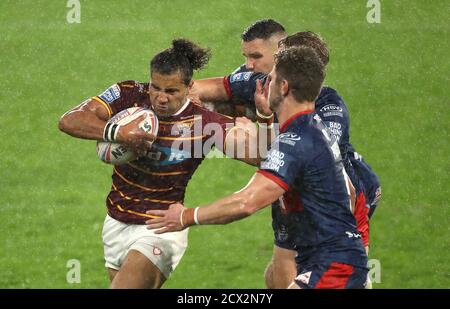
x,y
53,187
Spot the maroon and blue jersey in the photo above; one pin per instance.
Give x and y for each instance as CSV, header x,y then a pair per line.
x,y
305,161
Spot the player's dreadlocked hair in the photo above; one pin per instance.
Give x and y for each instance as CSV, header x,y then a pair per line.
x,y
310,39
303,69
184,56
262,29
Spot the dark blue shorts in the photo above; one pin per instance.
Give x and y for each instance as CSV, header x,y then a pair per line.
x,y
331,275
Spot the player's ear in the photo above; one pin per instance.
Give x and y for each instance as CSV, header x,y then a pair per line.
x,y
284,87
191,84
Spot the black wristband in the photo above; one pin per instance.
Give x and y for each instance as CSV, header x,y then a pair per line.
x,y
113,130
110,132
105,132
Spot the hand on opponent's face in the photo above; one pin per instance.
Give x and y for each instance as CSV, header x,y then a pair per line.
x,y
261,97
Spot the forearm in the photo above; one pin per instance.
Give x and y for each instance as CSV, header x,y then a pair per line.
x,y
266,135
82,125
248,143
86,120
225,210
258,193
210,90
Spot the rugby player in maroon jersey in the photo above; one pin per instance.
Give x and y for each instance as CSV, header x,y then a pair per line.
x,y
136,257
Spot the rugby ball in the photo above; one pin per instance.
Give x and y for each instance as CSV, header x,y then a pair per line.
x,y
114,153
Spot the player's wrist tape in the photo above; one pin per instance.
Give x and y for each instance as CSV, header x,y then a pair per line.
x,y
189,217
110,132
196,216
264,119
263,116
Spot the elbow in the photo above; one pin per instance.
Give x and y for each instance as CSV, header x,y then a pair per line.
x,y
64,124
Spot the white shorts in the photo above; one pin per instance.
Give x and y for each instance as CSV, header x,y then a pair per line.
x,y
164,250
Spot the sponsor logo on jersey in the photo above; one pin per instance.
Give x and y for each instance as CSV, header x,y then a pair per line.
x,y
273,161
335,129
166,155
331,107
332,110
353,235
289,138
240,77
304,277
282,233
111,94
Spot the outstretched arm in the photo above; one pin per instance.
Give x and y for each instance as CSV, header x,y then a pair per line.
x,y
257,194
210,90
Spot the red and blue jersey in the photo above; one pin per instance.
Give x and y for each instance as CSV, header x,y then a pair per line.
x,y
315,210
241,86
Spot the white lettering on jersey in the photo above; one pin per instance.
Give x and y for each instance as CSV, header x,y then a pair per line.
x,y
332,110
273,161
335,129
288,138
240,77
336,151
353,235
347,180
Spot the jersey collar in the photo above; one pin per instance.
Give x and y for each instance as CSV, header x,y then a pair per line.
x,y
292,118
182,108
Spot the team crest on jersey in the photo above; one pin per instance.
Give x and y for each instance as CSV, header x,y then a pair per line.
x,y
111,94
304,277
139,86
156,250
377,196
182,129
240,77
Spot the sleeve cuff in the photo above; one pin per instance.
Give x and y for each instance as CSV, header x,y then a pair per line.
x,y
275,179
226,84
108,108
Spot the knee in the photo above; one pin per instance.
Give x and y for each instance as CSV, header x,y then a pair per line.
x,y
268,276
